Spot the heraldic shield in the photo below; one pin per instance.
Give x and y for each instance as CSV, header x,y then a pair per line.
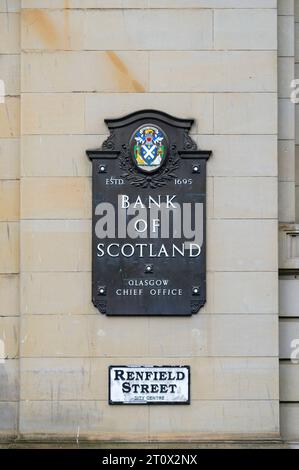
x,y
149,148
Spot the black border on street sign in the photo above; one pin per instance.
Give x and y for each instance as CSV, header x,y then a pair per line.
x,y
187,402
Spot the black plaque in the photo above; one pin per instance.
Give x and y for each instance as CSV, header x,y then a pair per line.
x,y
148,223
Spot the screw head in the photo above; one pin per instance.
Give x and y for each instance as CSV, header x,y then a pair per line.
x,y
148,268
102,169
102,290
195,290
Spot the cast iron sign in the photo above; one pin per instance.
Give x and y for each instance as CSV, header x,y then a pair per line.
x,y
149,209
141,385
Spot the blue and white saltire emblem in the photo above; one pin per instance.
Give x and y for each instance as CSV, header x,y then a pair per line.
x,y
148,148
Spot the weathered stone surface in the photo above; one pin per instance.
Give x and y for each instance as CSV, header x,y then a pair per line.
x,y
286,121
57,293
286,73
10,6
9,381
289,381
58,198
286,160
87,71
52,30
127,71
9,200
151,4
248,30
289,338
245,292
286,202
289,418
212,71
144,29
8,418
56,245
95,418
86,418
9,216
240,155
87,378
10,33
91,335
98,336
136,29
210,418
57,155
286,37
210,198
10,117
9,334
9,247
9,294
213,3
249,198
10,73
285,7
194,339
245,113
9,159
233,247
52,113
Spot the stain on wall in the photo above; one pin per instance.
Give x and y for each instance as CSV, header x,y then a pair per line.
x,y
126,81
44,27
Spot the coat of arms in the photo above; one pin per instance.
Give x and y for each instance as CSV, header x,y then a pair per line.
x,y
148,148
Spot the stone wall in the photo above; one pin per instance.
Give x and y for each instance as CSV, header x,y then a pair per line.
x,y
296,11
9,215
215,61
289,281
